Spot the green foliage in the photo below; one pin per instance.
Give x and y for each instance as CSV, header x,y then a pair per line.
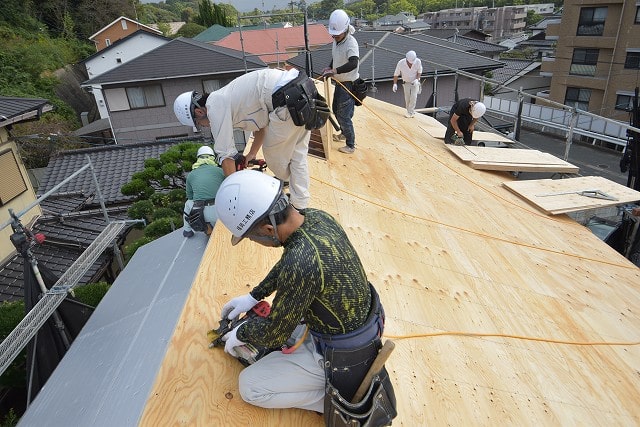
x,y
142,209
162,226
166,213
92,293
131,249
11,313
9,420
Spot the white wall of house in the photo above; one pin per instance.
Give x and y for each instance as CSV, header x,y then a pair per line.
x,y
125,51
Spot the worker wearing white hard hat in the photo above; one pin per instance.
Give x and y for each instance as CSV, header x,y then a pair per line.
x,y
247,103
202,185
410,68
319,278
343,68
463,117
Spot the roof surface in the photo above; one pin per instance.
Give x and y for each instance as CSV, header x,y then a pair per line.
x,y
477,45
113,164
435,54
12,108
275,40
153,30
512,67
181,57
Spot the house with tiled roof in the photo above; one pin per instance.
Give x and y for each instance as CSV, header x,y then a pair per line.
x,y
116,30
481,47
71,217
519,74
380,51
140,93
217,32
275,46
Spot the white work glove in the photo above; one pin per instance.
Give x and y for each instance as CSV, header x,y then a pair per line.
x,y
395,87
231,341
416,82
238,305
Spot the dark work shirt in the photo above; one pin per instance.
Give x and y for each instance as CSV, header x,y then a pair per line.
x,y
319,278
462,107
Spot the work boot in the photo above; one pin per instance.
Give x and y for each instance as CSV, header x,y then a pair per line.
x,y
187,234
346,149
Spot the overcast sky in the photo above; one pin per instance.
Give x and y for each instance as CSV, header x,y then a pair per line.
x,y
248,5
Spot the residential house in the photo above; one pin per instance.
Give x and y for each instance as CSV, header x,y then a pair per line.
x,y
118,29
597,62
72,217
16,191
140,93
461,18
391,22
447,33
275,46
217,32
123,50
519,74
380,51
490,50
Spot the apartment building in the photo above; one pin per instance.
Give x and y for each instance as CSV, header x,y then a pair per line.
x,y
597,62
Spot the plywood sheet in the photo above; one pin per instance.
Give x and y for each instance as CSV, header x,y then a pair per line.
x,y
450,250
511,159
556,196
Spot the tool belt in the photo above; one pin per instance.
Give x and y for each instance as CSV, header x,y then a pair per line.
x,y
195,217
359,89
347,359
306,106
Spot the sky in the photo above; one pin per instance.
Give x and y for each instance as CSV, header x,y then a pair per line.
x,y
249,5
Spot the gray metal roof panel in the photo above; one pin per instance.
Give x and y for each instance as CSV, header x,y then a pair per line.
x,y
180,57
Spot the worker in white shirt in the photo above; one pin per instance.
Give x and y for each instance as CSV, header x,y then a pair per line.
x,y
410,69
279,107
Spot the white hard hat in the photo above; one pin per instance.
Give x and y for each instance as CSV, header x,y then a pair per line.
x,y
411,56
182,107
478,109
245,198
338,22
205,150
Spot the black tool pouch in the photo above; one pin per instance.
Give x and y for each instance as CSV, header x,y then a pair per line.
x,y
306,107
359,88
195,218
377,407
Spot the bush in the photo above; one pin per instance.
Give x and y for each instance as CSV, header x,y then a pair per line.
x,y
11,313
162,226
92,293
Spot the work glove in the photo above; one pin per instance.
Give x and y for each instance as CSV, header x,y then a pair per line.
x,y
395,87
231,341
238,305
327,72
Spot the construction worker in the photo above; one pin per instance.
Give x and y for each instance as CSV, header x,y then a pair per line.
x,y
320,279
463,117
202,185
344,70
410,68
247,103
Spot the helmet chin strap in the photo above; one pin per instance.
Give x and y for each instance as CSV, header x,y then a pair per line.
x,y
268,239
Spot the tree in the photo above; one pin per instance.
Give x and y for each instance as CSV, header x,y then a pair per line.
x,y
190,30
160,192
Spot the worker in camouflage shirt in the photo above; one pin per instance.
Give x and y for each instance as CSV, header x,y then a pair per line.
x,y
319,284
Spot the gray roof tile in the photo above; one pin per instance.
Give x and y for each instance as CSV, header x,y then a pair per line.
x,y
181,57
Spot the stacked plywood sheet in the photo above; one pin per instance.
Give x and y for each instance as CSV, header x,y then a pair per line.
x,y
573,194
511,159
451,251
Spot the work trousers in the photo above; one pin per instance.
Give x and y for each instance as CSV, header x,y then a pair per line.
x,y
411,95
343,107
279,380
285,147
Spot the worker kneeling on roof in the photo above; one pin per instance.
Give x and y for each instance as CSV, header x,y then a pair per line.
x,y
320,285
463,117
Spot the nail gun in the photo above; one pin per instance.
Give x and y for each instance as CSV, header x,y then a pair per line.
x,y
248,353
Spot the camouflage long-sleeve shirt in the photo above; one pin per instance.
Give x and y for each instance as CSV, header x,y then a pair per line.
x,y
319,278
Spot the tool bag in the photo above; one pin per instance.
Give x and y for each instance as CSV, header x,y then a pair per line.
x,y
195,217
359,88
377,407
306,106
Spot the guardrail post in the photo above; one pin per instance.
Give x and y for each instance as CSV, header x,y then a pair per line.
x,y
572,124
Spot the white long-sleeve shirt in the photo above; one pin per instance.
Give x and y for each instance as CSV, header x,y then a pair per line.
x,y
409,74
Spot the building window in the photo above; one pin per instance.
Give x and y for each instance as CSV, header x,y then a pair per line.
x,y
107,42
12,183
633,60
591,21
637,20
584,62
624,102
578,98
145,96
124,24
